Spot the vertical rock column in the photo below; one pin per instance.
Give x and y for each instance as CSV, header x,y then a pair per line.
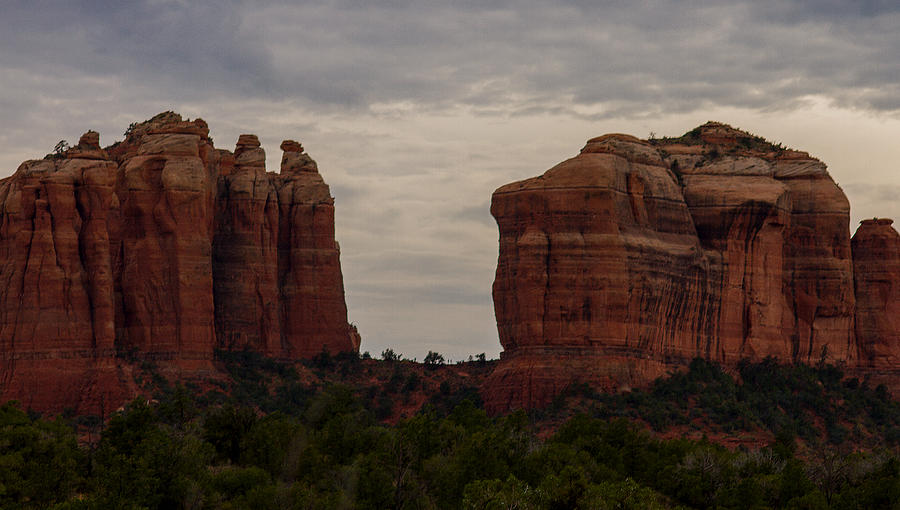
x,y
313,311
56,321
876,266
95,194
278,284
166,275
245,254
817,256
52,317
55,253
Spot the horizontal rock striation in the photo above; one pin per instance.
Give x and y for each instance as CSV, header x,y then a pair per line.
x,y
161,247
632,258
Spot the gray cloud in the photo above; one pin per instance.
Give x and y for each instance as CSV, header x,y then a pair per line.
x,y
189,46
873,200
480,213
617,58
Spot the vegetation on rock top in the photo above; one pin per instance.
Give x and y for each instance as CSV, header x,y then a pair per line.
x,y
742,139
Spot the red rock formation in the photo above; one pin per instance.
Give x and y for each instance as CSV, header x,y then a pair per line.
x,y
313,313
279,288
166,191
876,265
632,258
599,258
245,254
57,331
776,226
164,248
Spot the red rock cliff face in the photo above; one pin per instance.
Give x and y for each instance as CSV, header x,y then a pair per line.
x,y
876,264
636,256
775,227
600,274
166,189
278,283
57,328
165,248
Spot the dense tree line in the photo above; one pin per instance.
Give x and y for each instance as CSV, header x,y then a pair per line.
x,y
323,447
816,404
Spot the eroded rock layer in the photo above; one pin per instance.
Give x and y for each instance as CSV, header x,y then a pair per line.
x,y
161,247
634,257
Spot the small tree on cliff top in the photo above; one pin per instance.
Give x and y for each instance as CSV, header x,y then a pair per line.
x,y
390,355
434,359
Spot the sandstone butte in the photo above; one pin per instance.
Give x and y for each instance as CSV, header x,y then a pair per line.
x,y
161,247
627,261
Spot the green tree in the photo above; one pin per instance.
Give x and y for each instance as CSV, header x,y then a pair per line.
x,y
40,461
500,495
624,495
60,148
390,355
433,359
142,462
268,443
225,429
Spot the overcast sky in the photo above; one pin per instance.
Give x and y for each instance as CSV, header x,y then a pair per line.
x,y
417,111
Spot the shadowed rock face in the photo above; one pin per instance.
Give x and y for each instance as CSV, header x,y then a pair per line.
x,y
164,248
633,257
775,227
876,265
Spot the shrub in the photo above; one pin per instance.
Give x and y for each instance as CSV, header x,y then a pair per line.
x,y
433,359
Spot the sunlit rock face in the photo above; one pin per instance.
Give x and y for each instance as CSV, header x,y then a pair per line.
x,y
599,260
161,247
635,256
